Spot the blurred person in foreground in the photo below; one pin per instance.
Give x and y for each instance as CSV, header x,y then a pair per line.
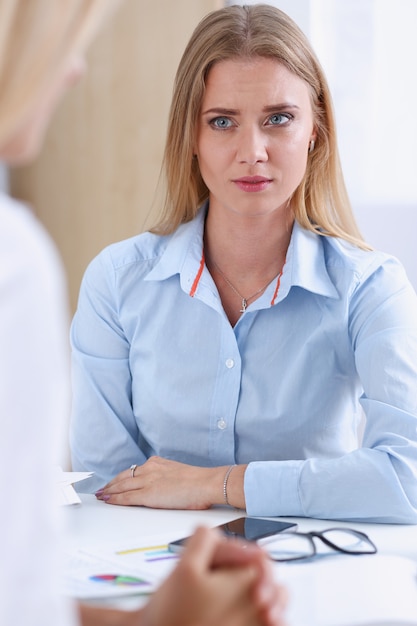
x,y
216,582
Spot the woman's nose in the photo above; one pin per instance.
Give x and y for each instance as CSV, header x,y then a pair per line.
x,y
252,146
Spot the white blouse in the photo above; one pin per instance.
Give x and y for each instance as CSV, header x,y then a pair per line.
x,y
34,400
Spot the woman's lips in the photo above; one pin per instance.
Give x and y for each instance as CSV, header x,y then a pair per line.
x,y
252,183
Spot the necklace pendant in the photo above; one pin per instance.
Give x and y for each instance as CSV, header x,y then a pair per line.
x,y
244,305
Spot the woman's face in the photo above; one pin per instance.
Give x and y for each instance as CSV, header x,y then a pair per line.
x,y
26,142
254,129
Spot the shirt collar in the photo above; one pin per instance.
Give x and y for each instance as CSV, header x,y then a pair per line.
x,y
305,265
183,252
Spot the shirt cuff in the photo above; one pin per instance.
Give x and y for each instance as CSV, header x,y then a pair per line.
x,y
272,488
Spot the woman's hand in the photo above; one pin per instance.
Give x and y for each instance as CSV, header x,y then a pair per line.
x,y
218,582
163,484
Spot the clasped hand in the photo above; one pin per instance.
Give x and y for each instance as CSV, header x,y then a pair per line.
x,y
218,582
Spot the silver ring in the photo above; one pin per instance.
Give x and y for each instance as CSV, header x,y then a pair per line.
x,y
132,469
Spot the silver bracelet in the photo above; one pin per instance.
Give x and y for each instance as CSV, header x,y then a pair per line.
x,y
226,478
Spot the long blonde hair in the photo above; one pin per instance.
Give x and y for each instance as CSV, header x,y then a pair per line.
x,y
320,203
36,39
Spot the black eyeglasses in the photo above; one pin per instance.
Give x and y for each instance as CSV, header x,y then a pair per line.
x,y
293,546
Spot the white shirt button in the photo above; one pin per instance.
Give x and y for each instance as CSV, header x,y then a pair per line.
x,y
221,424
230,363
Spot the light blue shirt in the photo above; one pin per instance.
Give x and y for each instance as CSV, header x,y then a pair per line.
x,y
159,370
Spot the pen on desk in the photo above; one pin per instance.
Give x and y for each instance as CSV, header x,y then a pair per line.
x,y
151,553
143,549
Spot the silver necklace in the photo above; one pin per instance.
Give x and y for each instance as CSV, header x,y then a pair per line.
x,y
244,303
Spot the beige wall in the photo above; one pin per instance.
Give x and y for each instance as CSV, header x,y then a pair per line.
x,y
95,180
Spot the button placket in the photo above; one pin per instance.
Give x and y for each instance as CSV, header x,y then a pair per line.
x,y
225,399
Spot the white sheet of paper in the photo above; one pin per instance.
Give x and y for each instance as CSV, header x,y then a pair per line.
x,y
64,490
89,577
148,556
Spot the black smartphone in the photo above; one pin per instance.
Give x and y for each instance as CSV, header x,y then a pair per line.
x,y
247,528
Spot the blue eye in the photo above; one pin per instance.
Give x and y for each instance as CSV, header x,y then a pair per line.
x,y
278,119
221,122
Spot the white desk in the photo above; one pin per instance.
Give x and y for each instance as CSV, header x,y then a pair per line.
x,y
94,522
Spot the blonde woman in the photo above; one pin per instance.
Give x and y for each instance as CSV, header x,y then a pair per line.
x,y
230,353
41,47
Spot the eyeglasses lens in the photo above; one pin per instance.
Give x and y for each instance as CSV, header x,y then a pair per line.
x,y
349,541
290,546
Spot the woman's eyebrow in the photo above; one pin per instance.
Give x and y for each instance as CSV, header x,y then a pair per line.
x,y
270,108
221,111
